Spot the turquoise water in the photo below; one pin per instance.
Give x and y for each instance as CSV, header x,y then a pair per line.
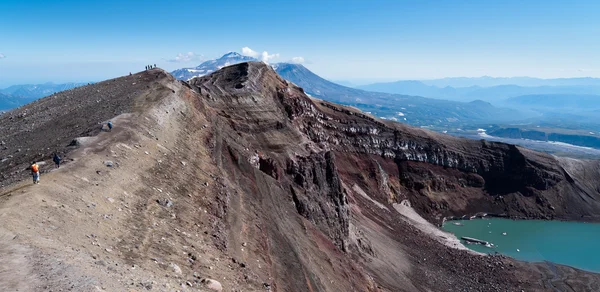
x,y
575,244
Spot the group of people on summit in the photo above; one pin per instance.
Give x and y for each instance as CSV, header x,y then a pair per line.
x,y
148,67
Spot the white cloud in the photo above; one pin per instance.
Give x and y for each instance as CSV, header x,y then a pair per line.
x,y
298,60
249,52
264,56
187,57
2,56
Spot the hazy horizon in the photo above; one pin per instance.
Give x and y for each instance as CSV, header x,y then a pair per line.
x,y
376,40
346,82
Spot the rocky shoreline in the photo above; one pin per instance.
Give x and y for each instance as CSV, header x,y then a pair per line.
x,y
482,215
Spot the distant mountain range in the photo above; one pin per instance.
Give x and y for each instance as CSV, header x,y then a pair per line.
x,y
457,110
38,90
7,102
415,110
18,95
487,81
559,101
496,94
570,104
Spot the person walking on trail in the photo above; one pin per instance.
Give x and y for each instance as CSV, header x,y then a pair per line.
x,y
110,126
56,160
35,172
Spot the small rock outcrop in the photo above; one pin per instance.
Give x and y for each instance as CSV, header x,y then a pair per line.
x,y
318,195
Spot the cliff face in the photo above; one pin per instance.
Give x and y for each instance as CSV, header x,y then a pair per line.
x,y
448,176
318,195
324,157
240,177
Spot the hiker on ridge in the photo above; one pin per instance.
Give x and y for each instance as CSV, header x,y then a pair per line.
x,y
35,172
110,126
56,160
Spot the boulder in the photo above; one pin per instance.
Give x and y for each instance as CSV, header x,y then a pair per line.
x,y
212,285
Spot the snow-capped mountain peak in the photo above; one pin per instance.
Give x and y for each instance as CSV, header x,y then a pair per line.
x,y
231,55
211,66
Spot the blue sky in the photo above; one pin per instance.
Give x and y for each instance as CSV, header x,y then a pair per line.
x,y
341,40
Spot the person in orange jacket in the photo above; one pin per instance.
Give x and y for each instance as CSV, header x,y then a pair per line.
x,y
35,171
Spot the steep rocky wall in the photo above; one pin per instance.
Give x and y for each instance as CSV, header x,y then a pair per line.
x,y
508,179
290,198
318,194
341,171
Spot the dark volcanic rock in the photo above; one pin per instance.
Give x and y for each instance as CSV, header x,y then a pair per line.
x,y
319,196
268,166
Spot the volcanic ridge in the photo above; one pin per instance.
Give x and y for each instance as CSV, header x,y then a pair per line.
x,y
239,181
